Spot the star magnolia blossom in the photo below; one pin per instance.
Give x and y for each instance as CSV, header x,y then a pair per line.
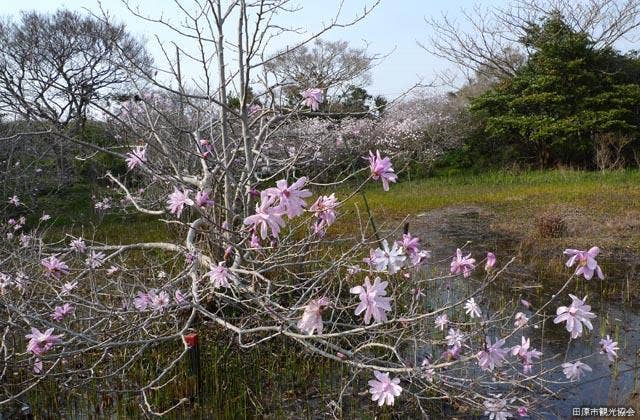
x,y
472,309
387,259
219,275
383,389
610,347
493,356
496,408
61,311
68,287
462,264
525,355
14,200
520,320
158,301
95,259
177,200
40,343
411,246
442,321
575,315
54,267
575,371
455,338
179,298
203,200
429,372
491,261
324,209
290,198
313,97
5,282
381,169
587,263
373,302
137,156
266,217
142,301
312,316
79,246
452,353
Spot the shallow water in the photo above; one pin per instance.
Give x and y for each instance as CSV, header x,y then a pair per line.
x,y
446,229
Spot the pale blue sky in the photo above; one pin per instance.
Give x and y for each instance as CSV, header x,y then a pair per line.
x,y
394,24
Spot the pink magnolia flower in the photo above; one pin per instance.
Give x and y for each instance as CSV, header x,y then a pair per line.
x,y
40,343
455,338
24,240
472,309
462,264
496,408
312,317
95,259
411,246
525,303
79,246
142,301
373,302
179,297
587,263
520,320
525,354
429,372
255,241
68,287
177,200
442,321
203,200
54,267
491,261
381,169
290,198
61,311
219,275
5,282
312,98
575,315
159,300
575,371
452,353
522,411
324,209
610,347
266,217
493,355
14,200
37,365
383,389
387,259
137,156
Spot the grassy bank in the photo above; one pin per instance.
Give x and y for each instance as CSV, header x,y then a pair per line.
x,y
594,206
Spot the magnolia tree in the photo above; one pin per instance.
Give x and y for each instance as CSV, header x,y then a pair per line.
x,y
257,254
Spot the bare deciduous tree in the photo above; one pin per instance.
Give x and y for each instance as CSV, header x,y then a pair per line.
x,y
330,65
488,41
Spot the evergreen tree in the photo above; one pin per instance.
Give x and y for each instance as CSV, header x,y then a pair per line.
x,y
567,94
